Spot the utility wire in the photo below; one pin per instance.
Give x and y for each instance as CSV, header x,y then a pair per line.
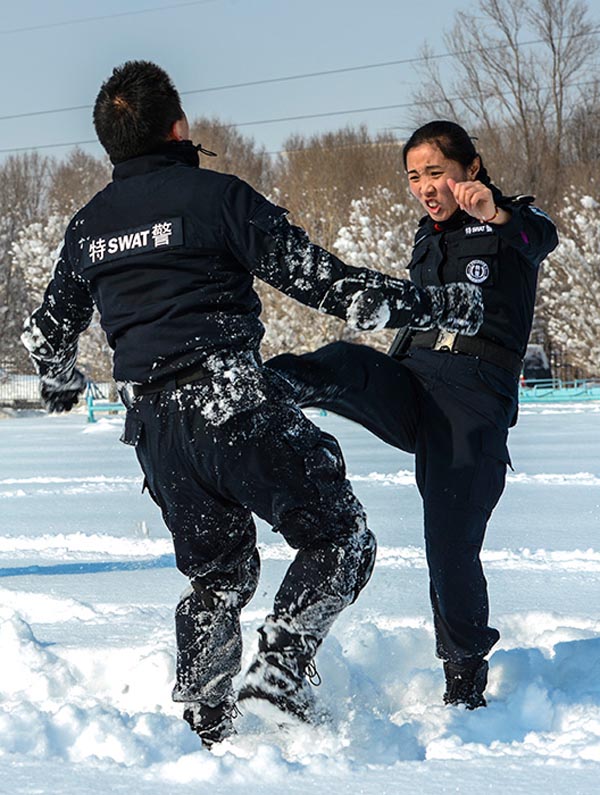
x,y
322,115
362,67
47,146
83,20
288,78
290,118
241,124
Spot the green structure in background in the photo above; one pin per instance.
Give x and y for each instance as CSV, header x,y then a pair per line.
x,y
97,402
553,390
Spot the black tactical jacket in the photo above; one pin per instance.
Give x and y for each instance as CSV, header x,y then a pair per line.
x,y
502,259
168,251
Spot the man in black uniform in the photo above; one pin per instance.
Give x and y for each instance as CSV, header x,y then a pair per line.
x,y
167,252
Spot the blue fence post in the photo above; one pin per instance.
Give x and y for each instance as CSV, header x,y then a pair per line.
x,y
90,402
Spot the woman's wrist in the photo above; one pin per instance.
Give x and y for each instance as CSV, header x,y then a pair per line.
x,y
492,217
499,216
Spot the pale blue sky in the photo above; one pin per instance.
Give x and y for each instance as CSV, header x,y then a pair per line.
x,y
212,44
215,43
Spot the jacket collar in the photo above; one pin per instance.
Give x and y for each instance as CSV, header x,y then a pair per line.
x,y
459,219
168,154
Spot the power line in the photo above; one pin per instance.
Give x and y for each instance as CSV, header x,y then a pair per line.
x,y
290,118
359,145
288,78
321,115
239,124
83,20
362,67
47,146
45,112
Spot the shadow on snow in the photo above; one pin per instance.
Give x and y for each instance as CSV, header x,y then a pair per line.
x,y
59,569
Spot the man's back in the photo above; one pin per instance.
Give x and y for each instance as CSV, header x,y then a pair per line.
x,y
155,249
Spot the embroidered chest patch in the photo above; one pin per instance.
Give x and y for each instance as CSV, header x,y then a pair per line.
x,y
477,271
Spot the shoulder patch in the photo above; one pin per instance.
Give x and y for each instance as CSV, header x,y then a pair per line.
x,y
161,234
478,229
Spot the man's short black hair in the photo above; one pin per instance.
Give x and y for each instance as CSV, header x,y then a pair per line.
x,y
135,110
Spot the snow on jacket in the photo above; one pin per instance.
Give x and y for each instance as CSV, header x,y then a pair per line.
x,y
168,252
502,259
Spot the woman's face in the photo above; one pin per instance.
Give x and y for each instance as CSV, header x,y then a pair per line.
x,y
428,171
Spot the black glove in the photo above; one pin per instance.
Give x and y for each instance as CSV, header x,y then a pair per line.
x,y
463,308
369,310
371,301
61,392
455,307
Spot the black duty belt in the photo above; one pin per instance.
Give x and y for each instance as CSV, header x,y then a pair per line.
x,y
173,382
473,346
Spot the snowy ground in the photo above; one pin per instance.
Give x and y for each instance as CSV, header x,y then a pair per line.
x,y
88,586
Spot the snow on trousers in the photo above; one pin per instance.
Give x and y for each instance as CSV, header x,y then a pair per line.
x,y
453,411
208,479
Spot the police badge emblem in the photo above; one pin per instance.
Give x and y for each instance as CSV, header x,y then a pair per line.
x,y
477,271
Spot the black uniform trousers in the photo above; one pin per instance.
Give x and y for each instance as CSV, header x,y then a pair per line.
x,y
453,411
207,480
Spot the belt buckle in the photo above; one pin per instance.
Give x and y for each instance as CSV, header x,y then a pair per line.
x,y
445,340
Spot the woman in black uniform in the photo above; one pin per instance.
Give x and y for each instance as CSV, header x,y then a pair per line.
x,y
449,398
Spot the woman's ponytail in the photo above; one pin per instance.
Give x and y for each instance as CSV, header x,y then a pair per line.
x,y
483,176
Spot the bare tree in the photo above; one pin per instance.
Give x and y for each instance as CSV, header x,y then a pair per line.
x,y
25,182
583,136
516,70
236,153
318,177
75,180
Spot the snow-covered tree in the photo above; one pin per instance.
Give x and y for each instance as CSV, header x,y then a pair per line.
x,y
33,254
379,233
23,200
570,284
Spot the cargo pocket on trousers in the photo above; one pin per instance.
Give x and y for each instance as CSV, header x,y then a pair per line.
x,y
490,474
132,431
313,499
323,462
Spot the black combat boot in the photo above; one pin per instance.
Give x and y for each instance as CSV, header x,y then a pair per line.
x,y
278,675
211,724
466,682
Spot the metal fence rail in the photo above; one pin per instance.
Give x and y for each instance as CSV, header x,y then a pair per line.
x,y
22,390
19,390
555,390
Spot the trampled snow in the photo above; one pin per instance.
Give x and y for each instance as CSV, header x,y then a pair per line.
x,y
88,586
